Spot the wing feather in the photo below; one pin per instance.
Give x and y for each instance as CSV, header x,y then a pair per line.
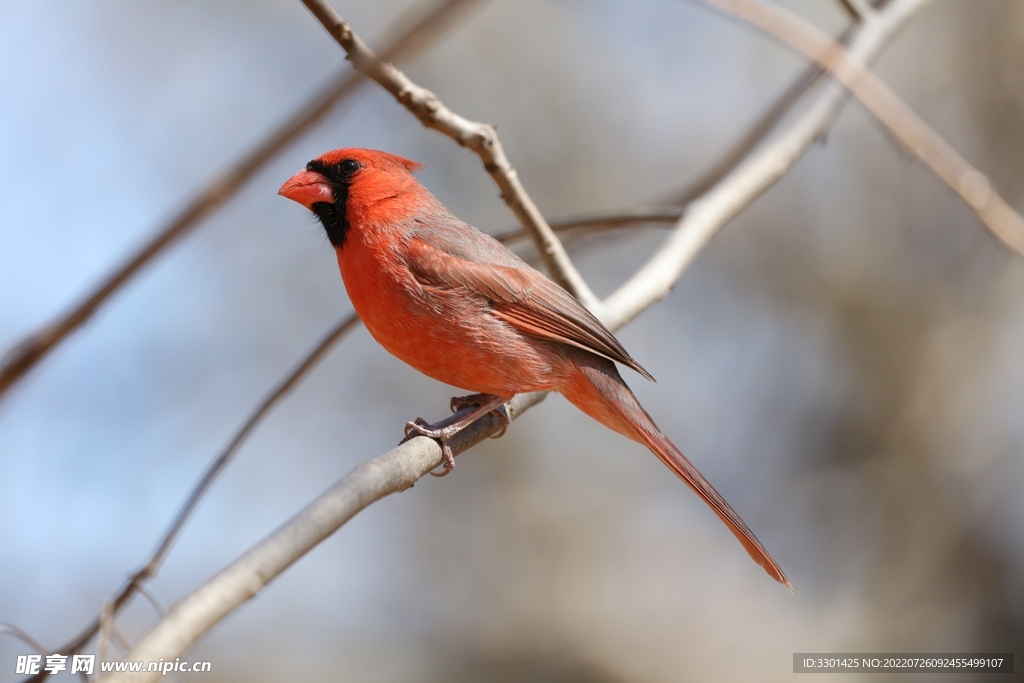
x,y
519,295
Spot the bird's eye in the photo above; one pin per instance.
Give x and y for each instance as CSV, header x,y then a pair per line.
x,y
348,167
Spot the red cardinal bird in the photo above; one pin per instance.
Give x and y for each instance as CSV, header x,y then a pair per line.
x,y
457,305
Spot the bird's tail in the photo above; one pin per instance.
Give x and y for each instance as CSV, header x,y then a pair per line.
x,y
598,390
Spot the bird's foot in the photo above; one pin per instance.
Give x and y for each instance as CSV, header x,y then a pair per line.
x,y
485,403
442,434
460,402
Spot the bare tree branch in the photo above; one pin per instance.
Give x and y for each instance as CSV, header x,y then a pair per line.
x,y
412,33
901,121
747,182
479,137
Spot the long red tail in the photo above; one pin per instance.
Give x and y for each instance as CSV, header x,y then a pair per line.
x,y
597,389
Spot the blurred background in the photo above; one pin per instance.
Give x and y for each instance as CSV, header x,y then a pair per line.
x,y
844,362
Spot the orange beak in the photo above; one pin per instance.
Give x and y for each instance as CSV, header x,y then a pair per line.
x,y
307,188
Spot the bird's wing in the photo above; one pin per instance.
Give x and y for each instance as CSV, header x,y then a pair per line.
x,y
519,295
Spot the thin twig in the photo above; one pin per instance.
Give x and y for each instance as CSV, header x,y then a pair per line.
x,y
479,137
13,630
397,470
157,605
411,34
614,218
900,120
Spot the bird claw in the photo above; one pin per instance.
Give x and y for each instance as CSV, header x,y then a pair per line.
x,y
444,436
484,403
459,402
416,427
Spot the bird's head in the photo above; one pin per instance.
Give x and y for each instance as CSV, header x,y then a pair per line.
x,y
348,186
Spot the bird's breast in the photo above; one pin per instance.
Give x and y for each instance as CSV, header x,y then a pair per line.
x,y
450,334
